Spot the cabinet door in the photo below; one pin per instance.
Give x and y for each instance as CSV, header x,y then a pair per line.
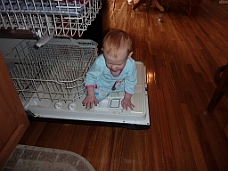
x,y
13,119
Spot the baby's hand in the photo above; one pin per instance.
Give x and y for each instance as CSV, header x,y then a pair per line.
x,y
126,102
89,101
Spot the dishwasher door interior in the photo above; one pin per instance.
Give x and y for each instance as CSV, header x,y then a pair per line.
x,y
50,83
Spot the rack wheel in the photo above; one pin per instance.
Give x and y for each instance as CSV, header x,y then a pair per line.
x,y
58,105
72,106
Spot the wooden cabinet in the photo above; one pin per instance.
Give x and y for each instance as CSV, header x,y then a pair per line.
x,y
13,119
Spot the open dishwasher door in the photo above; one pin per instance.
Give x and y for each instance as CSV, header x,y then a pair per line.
x,y
50,84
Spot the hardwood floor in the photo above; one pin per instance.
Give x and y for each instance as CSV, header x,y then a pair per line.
x,y
181,55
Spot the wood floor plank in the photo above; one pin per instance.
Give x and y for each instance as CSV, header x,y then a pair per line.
x,y
194,140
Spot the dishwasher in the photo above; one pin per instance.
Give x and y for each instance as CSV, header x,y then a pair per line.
x,y
48,71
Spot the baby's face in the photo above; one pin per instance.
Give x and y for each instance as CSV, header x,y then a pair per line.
x,y
118,62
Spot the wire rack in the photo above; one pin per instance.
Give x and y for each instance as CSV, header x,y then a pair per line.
x,y
54,72
52,17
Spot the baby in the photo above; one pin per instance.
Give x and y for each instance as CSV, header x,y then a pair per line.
x,y
114,70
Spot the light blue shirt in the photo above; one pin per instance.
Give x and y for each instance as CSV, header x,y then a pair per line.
x,y
100,75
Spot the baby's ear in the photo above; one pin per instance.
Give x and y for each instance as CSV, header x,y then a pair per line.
x,y
130,54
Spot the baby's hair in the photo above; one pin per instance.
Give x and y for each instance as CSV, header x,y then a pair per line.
x,y
116,39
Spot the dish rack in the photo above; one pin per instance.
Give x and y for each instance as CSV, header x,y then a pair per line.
x,y
49,17
53,72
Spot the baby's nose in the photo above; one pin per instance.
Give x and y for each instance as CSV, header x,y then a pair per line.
x,y
113,67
